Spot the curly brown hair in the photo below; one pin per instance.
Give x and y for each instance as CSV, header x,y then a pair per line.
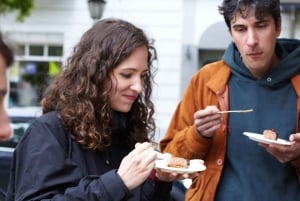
x,y
80,94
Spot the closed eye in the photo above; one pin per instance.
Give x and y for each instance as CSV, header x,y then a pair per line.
x,y
239,28
261,25
126,75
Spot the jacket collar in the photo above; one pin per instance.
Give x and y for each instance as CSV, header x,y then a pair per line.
x,y
219,78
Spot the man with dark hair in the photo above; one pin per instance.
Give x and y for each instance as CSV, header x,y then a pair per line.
x,y
6,59
258,71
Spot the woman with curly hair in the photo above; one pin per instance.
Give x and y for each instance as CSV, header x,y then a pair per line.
x,y
93,141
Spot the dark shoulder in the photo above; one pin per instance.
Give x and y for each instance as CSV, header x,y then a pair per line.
x,y
49,117
40,129
45,124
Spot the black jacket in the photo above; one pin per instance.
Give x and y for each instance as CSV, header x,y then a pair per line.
x,y
48,164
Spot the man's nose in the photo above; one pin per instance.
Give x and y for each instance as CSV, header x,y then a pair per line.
x,y
252,39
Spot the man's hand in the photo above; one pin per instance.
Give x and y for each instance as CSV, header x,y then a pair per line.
x,y
285,153
207,121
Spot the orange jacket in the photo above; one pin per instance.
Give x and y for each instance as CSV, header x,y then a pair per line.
x,y
207,87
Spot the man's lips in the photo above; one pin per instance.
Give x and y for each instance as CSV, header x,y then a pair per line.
x,y
254,54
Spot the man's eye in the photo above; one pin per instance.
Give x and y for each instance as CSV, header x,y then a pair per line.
x,y
240,29
261,25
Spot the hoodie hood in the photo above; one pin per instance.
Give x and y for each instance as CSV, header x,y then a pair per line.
x,y
287,49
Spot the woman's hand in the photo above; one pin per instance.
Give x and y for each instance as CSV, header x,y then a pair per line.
x,y
136,167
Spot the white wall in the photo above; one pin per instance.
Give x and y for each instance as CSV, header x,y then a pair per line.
x,y
174,24
67,17
161,20
198,16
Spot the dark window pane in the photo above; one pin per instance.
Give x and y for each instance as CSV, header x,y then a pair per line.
x,y
55,51
36,50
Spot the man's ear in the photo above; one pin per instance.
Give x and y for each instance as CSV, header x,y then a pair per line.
x,y
229,31
278,27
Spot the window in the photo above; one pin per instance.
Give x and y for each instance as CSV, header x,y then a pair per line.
x,y
55,50
38,60
36,50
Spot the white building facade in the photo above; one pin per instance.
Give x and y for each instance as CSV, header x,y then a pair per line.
x,y
187,34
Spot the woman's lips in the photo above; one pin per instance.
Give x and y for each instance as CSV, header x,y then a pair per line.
x,y
131,98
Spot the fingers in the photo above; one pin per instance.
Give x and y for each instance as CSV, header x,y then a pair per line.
x,y
137,165
295,137
209,110
283,153
207,121
207,128
145,153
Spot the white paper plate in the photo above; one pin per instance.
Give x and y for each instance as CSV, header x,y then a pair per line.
x,y
260,138
196,167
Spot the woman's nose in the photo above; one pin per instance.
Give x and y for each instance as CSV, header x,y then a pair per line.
x,y
137,86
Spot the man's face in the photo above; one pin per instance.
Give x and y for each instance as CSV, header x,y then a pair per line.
x,y
4,120
255,39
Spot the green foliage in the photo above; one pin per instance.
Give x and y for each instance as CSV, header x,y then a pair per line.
x,y
23,7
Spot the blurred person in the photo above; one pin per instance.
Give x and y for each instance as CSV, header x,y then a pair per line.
x,y
258,71
6,59
93,141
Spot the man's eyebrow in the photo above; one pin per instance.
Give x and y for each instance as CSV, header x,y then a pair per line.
x,y
263,20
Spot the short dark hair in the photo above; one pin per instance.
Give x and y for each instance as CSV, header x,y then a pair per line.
x,y
230,8
6,52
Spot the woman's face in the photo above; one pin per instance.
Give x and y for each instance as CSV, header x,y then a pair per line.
x,y
127,80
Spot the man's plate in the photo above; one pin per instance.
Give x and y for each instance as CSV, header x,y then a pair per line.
x,y
260,138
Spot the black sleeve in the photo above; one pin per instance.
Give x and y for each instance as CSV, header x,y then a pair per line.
x,y
42,171
156,191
